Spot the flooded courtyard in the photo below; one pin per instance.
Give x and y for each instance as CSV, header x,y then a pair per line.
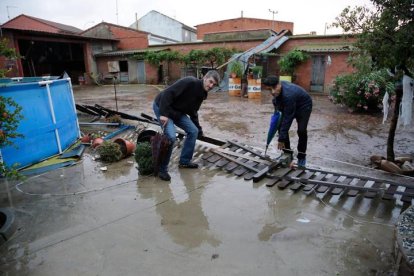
x,y
81,220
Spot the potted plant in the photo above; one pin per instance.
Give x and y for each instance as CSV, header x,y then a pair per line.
x,y
257,72
236,69
288,63
143,156
236,72
127,147
109,151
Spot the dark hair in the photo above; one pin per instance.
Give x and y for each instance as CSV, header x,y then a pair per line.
x,y
213,74
271,81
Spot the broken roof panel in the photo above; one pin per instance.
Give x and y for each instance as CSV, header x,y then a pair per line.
x,y
268,45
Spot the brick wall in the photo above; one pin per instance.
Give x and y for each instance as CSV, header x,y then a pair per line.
x,y
129,38
239,24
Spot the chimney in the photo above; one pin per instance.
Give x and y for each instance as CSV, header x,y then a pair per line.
x,y
136,20
241,14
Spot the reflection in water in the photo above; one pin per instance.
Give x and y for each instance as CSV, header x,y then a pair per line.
x,y
181,212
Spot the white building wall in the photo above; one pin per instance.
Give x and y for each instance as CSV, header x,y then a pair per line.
x,y
156,23
161,25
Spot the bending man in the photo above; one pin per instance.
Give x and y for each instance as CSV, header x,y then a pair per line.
x,y
178,105
294,103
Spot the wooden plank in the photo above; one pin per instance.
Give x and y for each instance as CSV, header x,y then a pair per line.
x,y
407,195
297,185
223,162
389,192
285,182
372,194
311,186
279,174
324,188
236,163
249,149
338,190
207,155
261,174
354,192
236,154
214,158
249,176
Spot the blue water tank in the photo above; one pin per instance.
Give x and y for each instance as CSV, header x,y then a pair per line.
x,y
49,124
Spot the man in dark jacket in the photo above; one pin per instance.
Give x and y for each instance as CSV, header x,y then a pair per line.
x,y
294,103
178,105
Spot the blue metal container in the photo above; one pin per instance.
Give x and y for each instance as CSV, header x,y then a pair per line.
x,y
49,123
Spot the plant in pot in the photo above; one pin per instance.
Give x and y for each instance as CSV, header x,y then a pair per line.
x,y
109,151
290,61
257,72
127,147
236,69
143,156
235,85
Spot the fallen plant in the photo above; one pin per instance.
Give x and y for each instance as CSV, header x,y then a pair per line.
x,y
109,151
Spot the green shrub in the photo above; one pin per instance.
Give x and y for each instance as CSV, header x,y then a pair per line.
x,y
362,92
143,156
236,67
109,151
288,62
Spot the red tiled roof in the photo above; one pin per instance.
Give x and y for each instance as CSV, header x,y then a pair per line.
x,y
30,23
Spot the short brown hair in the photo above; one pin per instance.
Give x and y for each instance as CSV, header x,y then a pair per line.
x,y
213,74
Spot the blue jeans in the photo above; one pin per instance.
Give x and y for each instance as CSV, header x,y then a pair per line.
x,y
185,123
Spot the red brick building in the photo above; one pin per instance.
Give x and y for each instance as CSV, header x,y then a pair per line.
x,y
47,48
107,50
118,61
242,24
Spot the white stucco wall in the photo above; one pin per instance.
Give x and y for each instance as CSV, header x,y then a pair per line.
x,y
161,25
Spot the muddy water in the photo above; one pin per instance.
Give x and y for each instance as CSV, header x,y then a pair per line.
x,y
85,221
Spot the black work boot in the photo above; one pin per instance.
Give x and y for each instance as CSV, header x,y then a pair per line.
x,y
164,176
188,165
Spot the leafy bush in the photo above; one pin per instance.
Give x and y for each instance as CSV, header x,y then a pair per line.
x,y
143,156
109,151
236,67
288,62
10,116
362,91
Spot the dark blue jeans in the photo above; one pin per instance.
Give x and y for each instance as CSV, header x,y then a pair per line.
x,y
185,123
302,118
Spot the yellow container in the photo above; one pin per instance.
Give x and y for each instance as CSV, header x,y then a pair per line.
x,y
254,88
235,87
285,78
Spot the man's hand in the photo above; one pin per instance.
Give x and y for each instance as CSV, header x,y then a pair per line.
x,y
163,121
280,145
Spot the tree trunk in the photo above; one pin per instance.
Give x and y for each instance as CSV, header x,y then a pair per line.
x,y
393,125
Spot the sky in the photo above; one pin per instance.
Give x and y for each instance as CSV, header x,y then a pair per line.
x,y
307,15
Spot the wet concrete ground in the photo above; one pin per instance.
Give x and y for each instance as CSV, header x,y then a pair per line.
x,y
84,221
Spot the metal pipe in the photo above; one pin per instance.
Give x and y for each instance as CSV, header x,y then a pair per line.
x,y
52,110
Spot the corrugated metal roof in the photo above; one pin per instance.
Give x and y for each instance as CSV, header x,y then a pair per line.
x,y
328,47
128,52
